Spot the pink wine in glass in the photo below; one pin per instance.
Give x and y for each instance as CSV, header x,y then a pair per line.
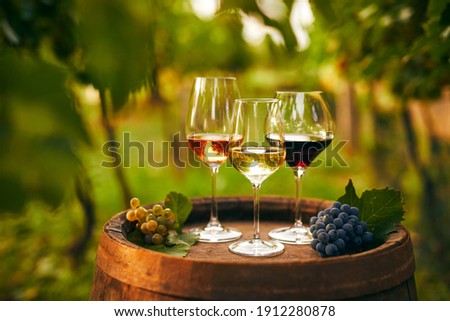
x,y
212,149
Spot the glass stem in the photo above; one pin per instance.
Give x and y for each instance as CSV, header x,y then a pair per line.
x,y
214,217
298,173
256,232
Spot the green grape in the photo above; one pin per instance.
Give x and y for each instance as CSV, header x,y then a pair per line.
x,y
157,239
167,213
161,229
131,215
141,214
169,224
151,217
160,220
152,225
134,202
158,210
144,228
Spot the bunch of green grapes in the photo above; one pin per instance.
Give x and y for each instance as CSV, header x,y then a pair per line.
x,y
155,223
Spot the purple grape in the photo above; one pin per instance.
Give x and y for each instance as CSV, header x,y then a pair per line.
x,y
338,222
354,211
345,208
330,227
331,250
323,237
337,205
314,243
367,237
343,216
332,235
340,244
359,231
320,226
320,247
335,212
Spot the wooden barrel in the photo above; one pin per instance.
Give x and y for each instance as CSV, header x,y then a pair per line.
x,y
125,271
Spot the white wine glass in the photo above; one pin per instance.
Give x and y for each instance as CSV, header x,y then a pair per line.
x,y
208,128
258,151
308,130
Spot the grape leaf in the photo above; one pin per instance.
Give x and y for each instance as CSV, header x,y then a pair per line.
x,y
381,209
350,196
180,250
189,238
184,238
178,245
181,206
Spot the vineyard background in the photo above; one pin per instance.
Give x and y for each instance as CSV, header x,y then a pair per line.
x,y
77,75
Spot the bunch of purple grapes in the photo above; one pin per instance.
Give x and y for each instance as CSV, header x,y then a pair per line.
x,y
337,230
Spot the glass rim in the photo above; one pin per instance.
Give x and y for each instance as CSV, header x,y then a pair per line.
x,y
258,100
299,92
218,77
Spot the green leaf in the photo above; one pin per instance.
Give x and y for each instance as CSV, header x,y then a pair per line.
x,y
381,209
180,250
189,238
38,125
350,196
181,206
178,245
183,238
115,45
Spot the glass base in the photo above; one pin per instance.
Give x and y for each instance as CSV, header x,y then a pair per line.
x,y
216,234
291,235
257,248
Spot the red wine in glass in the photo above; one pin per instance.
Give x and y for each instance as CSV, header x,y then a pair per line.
x,y
302,149
308,130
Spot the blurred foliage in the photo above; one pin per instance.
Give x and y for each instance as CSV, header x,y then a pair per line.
x,y
37,129
40,125
113,48
405,43
71,67
38,25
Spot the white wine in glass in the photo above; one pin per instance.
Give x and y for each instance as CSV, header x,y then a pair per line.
x,y
209,130
308,130
255,158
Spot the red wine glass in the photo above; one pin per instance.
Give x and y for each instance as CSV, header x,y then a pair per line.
x,y
308,130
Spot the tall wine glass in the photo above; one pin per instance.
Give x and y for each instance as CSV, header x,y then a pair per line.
x,y
308,130
257,155
208,129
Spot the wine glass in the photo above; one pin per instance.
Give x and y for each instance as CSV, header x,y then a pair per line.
x,y
208,129
308,130
257,152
